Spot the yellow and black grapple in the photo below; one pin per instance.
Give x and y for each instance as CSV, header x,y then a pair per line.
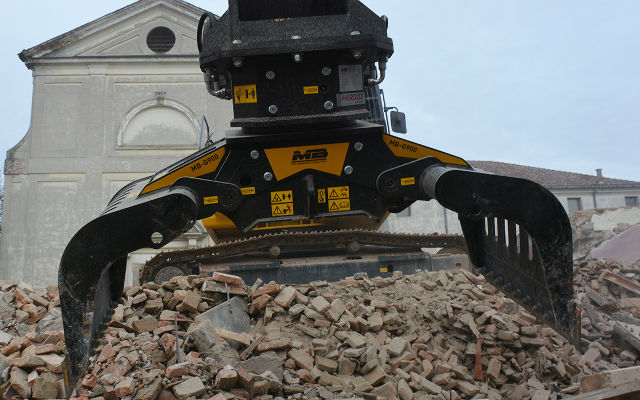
x,y
297,151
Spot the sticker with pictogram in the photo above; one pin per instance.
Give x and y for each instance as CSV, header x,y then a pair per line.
x,y
248,190
322,196
280,210
284,196
339,205
244,94
339,192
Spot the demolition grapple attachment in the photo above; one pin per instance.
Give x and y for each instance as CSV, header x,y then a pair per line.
x,y
298,156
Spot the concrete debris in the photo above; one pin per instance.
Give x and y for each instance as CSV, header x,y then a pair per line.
x,y
406,337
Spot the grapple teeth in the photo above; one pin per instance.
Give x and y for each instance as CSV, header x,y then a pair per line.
x,y
519,233
92,269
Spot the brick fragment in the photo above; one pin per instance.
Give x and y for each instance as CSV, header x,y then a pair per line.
x,y
493,369
301,358
375,376
285,297
177,370
192,387
226,379
124,387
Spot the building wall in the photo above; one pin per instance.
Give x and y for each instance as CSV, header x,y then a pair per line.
x,y
428,217
95,126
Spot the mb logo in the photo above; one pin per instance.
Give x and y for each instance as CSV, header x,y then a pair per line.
x,y
309,156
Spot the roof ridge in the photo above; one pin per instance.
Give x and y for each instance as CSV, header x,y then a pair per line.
x,y
549,177
81,31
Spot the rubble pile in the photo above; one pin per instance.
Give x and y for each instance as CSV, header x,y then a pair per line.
x,y
608,293
31,342
593,227
437,335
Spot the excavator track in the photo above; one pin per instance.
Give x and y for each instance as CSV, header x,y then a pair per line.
x,y
183,259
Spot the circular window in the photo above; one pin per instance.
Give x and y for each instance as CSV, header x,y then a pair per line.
x,y
161,39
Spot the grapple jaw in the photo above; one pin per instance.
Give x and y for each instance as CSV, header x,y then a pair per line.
x,y
518,235
92,269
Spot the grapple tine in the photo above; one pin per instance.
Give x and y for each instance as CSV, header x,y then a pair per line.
x,y
498,215
92,268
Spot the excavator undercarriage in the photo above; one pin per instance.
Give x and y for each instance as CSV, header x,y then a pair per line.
x,y
299,167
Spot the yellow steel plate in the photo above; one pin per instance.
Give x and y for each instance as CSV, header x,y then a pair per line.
x,y
287,161
404,148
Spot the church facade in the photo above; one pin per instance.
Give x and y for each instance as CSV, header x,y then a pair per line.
x,y
114,100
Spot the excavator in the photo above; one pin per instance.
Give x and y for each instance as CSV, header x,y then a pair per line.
x,y
300,166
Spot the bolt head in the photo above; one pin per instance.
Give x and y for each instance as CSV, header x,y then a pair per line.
x,y
348,169
254,154
357,53
268,176
358,146
326,71
270,75
237,62
273,109
328,105
297,58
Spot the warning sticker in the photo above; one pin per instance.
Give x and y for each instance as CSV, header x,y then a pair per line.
x,y
350,77
408,181
310,90
339,205
245,94
350,99
210,200
284,196
248,190
339,192
322,196
279,210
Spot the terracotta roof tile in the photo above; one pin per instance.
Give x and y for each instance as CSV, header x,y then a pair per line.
x,y
549,178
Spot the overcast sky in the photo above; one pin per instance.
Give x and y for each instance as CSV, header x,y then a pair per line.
x,y
546,83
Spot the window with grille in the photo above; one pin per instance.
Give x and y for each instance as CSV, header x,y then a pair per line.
x,y
575,204
161,39
631,201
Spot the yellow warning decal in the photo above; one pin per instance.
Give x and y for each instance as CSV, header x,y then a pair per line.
x,y
384,269
244,94
279,210
408,181
404,148
210,200
338,192
322,196
310,90
339,205
248,190
285,196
